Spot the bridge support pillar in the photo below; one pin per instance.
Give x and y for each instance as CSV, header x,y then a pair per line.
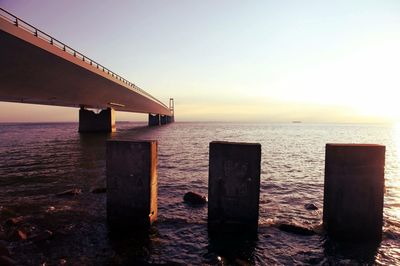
x,y
353,191
131,168
104,121
170,119
164,120
154,120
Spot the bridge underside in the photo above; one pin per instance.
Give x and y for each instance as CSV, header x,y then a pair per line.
x,y
34,71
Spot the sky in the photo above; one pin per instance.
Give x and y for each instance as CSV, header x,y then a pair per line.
x,y
256,61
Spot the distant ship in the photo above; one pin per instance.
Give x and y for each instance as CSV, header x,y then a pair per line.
x,y
296,122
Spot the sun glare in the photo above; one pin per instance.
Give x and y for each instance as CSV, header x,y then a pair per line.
x,y
364,80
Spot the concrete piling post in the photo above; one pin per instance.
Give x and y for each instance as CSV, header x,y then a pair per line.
x,y
170,119
154,120
164,120
233,187
131,183
353,191
104,121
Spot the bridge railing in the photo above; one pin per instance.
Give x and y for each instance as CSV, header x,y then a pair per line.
x,y
62,46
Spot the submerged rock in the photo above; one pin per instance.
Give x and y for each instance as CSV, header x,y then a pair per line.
x,y
310,207
296,229
194,198
70,192
17,234
22,234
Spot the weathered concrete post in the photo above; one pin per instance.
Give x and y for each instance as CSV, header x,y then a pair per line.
x,y
104,121
233,187
164,120
131,183
154,120
353,191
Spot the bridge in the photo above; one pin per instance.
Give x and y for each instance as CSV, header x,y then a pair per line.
x,y
37,68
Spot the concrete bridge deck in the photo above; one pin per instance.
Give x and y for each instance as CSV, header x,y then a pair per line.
x,y
36,68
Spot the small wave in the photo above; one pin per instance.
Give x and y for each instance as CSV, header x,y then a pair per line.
x,y
391,234
167,167
271,186
180,221
172,220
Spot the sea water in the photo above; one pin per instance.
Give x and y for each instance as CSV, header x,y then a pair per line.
x,y
40,160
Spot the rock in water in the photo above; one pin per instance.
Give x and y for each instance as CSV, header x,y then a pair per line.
x,y
17,234
310,207
296,229
14,220
194,199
